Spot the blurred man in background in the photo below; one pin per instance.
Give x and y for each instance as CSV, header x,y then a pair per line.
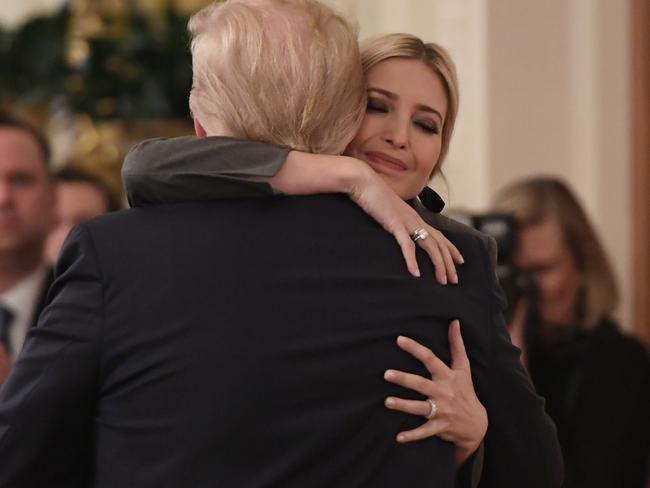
x,y
26,216
80,196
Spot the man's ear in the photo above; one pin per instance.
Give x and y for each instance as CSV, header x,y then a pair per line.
x,y
198,128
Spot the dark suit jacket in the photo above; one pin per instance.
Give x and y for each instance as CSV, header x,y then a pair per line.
x,y
243,344
168,170
42,298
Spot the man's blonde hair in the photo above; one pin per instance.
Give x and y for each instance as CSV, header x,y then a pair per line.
x,y
534,200
378,49
284,72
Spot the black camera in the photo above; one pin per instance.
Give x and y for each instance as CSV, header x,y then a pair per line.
x,y
504,229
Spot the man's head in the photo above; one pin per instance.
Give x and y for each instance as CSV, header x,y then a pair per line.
x,y
285,72
26,193
80,196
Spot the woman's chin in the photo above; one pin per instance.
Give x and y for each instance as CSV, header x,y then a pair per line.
x,y
395,181
405,192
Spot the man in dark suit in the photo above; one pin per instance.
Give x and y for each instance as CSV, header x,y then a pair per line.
x,y
243,344
26,202
159,170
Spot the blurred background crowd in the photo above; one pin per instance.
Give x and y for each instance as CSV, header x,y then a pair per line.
x,y
551,156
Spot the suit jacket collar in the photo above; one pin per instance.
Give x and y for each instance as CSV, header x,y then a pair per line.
x,y
430,200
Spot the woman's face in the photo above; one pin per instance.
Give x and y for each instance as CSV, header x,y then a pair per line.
x,y
543,253
401,133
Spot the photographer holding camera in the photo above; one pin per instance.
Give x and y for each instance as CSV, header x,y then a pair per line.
x,y
596,380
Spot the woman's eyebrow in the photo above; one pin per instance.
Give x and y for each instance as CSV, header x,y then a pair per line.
x,y
386,93
393,96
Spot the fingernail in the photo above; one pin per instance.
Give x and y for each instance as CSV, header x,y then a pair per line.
x,y
454,279
401,438
462,261
390,402
417,273
444,280
389,374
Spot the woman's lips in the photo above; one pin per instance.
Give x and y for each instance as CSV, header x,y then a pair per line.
x,y
386,162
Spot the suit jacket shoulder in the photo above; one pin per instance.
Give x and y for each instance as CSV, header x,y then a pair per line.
x,y
42,297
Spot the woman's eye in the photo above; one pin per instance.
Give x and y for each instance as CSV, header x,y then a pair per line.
x,y
374,106
428,127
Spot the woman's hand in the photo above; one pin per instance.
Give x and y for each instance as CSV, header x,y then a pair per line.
x,y
379,201
308,174
459,416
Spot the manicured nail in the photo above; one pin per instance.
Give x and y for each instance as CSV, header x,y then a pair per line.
x,y
401,438
389,374
454,279
390,402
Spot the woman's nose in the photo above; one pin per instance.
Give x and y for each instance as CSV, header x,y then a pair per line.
x,y
397,135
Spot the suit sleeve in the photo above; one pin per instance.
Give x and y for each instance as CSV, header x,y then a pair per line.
x,y
521,445
197,169
47,405
469,475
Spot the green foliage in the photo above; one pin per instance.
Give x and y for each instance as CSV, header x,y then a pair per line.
x,y
33,61
133,68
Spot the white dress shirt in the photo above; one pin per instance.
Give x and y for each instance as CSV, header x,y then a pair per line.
x,y
22,300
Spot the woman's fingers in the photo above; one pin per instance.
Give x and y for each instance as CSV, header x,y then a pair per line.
x,y
443,254
423,354
414,407
408,251
410,381
446,255
459,359
424,431
430,245
455,253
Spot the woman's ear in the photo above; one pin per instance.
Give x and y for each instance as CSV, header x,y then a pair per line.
x,y
198,128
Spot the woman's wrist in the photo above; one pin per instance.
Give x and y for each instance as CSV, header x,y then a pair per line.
x,y
463,453
465,449
355,176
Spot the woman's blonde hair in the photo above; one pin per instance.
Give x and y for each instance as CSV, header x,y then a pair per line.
x,y
378,49
285,72
534,200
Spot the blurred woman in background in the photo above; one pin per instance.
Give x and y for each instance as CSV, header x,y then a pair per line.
x,y
596,381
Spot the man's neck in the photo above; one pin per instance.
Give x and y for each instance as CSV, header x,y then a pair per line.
x,y
15,268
